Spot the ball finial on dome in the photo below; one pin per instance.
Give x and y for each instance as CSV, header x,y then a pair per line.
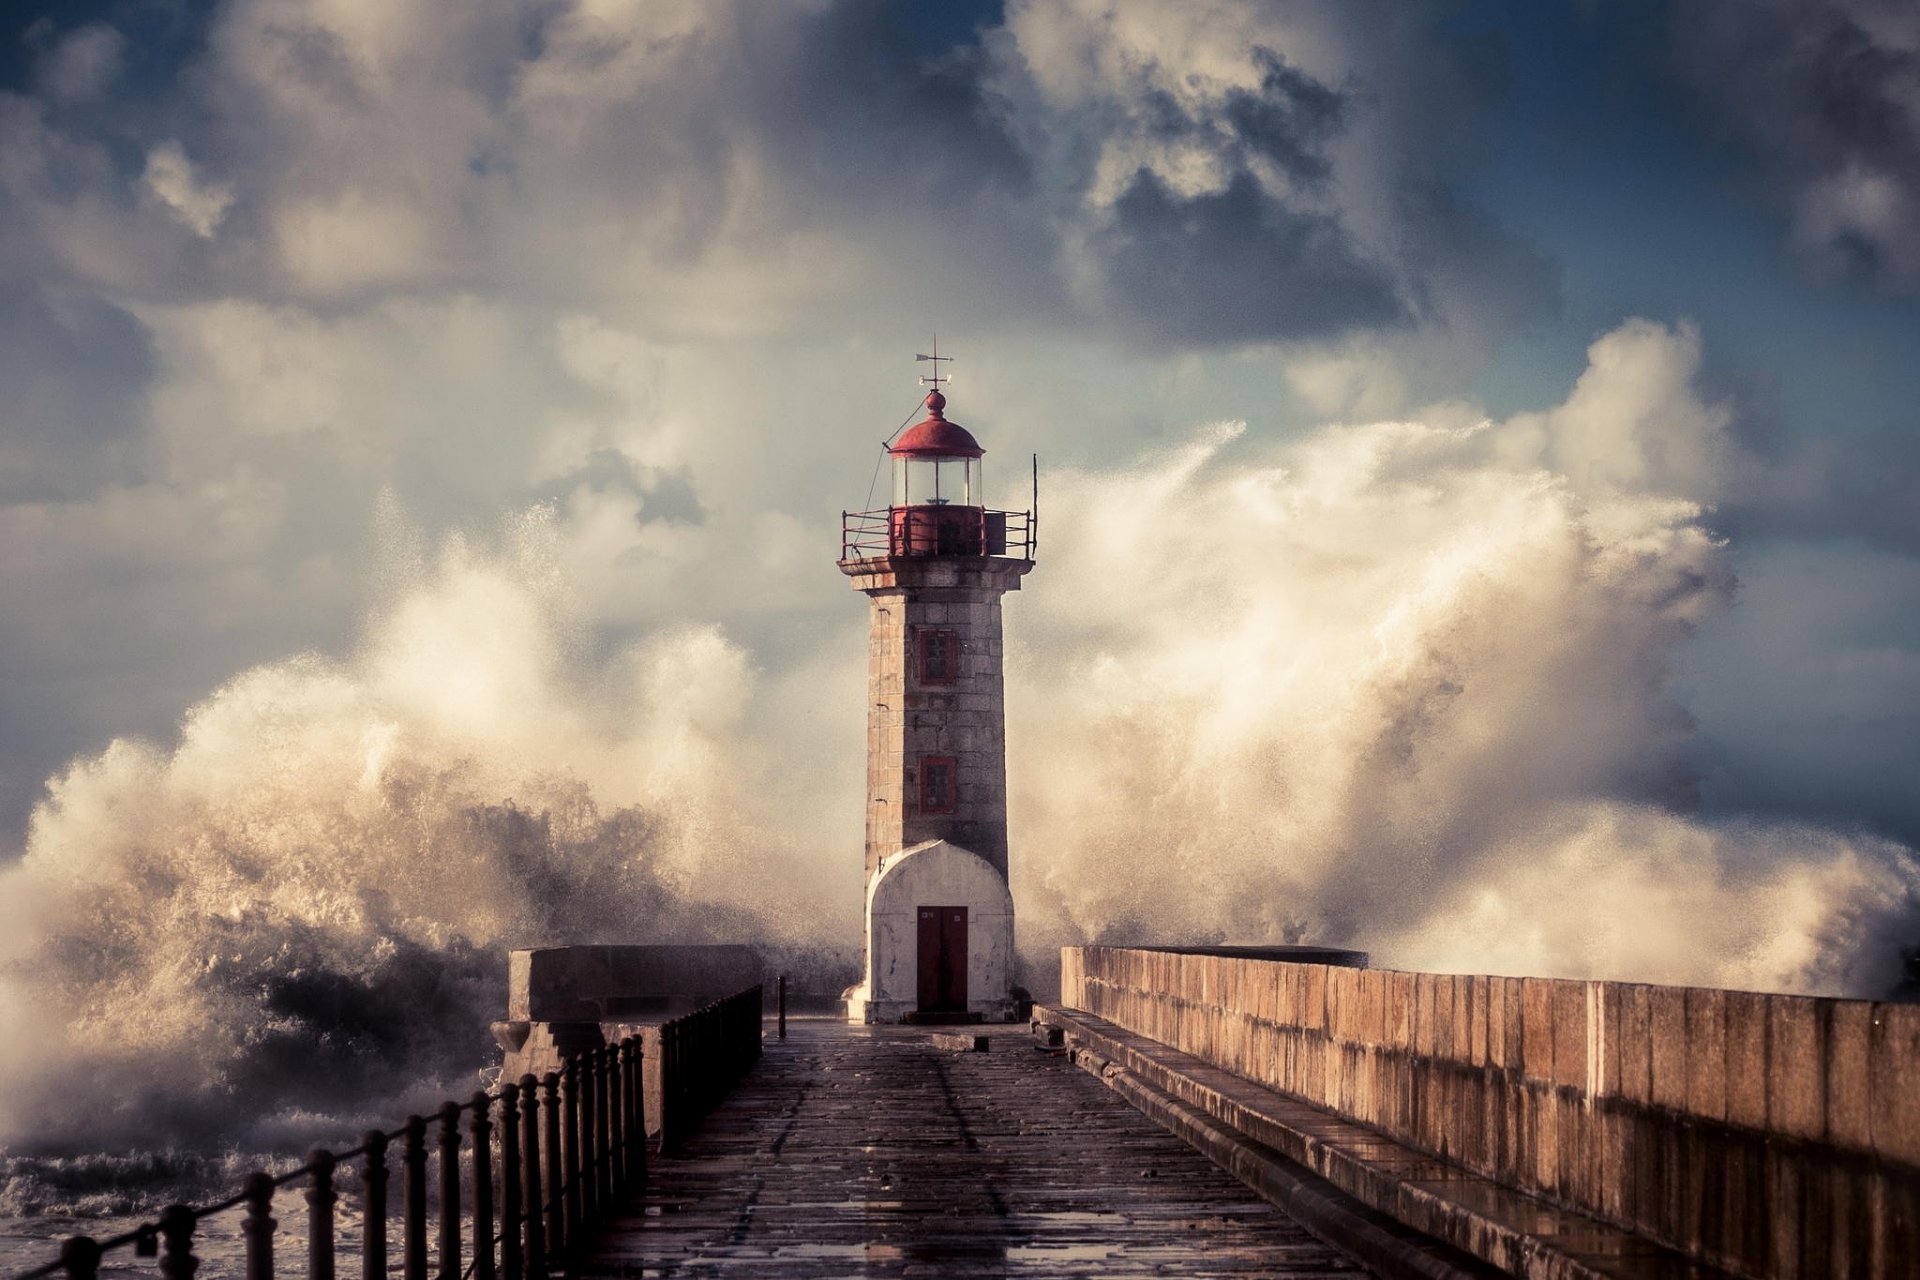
x,y
935,401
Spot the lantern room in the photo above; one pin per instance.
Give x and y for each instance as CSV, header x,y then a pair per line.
x,y
936,463
939,500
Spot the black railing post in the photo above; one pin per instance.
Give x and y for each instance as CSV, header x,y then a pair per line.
x,y
586,1079
80,1257
450,1191
373,1189
413,1197
482,1134
616,1113
176,1233
570,1124
258,1226
603,1126
780,1000
556,1198
633,1100
530,1190
320,1201
512,1230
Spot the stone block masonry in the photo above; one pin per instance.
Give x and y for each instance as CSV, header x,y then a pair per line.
x,y
1768,1135
954,716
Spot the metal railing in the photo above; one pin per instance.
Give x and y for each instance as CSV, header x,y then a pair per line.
x,y
567,1148
702,1056
941,530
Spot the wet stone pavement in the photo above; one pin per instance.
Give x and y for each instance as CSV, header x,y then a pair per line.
x,y
867,1151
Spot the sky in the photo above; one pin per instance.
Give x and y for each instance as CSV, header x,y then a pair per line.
x,y
1477,449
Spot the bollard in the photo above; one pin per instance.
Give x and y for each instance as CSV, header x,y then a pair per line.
x,y
601,1131
570,1136
373,1184
320,1201
258,1226
530,1190
512,1230
176,1231
80,1257
413,1201
482,1132
556,1203
615,1086
450,1191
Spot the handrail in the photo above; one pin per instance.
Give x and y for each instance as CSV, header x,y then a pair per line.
x,y
979,532
570,1148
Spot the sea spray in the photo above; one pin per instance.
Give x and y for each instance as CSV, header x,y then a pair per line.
x,y
1405,686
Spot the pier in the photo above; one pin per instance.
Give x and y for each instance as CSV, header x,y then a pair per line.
x,y
877,1151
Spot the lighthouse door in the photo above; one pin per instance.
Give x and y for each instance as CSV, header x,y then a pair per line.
x,y
943,960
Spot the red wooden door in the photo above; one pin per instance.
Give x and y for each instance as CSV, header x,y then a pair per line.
x,y
943,960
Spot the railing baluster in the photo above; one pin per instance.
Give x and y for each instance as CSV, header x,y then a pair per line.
x,y
556,1199
320,1200
512,1230
413,1195
633,1106
530,1191
176,1232
259,1226
482,1133
570,1122
373,1190
616,1134
602,1133
450,1191
80,1256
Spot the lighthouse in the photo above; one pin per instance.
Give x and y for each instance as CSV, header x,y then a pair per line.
x,y
933,564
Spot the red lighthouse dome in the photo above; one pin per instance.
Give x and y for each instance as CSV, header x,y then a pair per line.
x,y
935,437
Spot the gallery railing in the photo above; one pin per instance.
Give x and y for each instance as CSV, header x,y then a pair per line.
x,y
568,1148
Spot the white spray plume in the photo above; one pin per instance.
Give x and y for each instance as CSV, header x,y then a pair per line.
x,y
1404,686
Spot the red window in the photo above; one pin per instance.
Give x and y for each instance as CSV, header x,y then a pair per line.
x,y
939,784
939,657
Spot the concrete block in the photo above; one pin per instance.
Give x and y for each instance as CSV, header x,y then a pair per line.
x,y
1706,1048
960,1042
1893,1081
1796,1068
1570,1034
1667,1023
1536,1029
595,983
1499,1054
1746,1058
1849,1023
1632,1033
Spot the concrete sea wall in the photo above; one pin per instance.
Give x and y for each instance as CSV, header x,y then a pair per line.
x,y
1770,1135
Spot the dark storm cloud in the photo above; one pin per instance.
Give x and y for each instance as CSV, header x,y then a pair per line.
x,y
1236,266
1826,95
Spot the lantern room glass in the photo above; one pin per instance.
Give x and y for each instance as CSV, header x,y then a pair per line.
x,y
937,482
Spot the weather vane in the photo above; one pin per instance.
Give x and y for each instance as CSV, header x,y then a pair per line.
x,y
936,358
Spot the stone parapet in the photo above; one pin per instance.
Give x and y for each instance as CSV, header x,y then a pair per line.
x,y
1769,1135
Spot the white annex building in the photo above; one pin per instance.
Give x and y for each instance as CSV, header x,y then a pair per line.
x,y
934,564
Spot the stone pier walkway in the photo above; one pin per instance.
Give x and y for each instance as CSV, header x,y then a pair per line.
x,y
867,1151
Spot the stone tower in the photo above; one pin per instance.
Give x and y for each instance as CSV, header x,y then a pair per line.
x,y
934,564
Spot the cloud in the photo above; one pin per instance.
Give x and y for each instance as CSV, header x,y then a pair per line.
x,y
1827,97
171,178
728,168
